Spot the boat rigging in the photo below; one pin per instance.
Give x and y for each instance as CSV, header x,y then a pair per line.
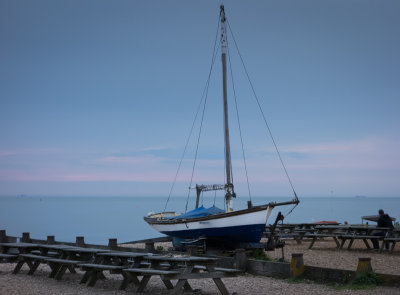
x,y
228,227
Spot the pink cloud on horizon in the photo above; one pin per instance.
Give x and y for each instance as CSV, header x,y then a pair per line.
x,y
29,151
22,176
371,160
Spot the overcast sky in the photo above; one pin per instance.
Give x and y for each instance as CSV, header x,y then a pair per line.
x,y
98,97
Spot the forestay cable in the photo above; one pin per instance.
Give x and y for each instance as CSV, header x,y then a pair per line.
x,y
263,115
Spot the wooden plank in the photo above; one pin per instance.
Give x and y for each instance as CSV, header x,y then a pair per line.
x,y
151,271
143,283
63,261
128,278
33,256
230,270
204,275
153,240
221,286
3,255
312,242
101,266
366,243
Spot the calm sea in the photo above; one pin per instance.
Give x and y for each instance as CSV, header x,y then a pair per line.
x,y
101,218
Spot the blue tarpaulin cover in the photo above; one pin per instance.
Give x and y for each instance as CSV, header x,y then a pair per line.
x,y
200,212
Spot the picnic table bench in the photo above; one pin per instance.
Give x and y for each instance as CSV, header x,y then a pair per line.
x,y
130,265
353,237
389,240
294,231
70,257
364,233
59,266
4,257
32,260
112,261
20,252
17,248
59,257
351,233
93,272
181,269
165,276
316,236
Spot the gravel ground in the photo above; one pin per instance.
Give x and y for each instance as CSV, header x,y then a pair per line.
x,y
324,254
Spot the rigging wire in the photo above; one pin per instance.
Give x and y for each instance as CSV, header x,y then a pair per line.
x,y
202,117
205,91
197,148
238,119
263,115
183,155
215,197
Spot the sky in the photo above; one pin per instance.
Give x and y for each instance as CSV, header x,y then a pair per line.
x,y
98,97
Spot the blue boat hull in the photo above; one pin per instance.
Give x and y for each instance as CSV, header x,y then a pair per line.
x,y
234,234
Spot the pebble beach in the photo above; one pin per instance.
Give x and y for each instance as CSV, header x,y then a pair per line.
x,y
323,254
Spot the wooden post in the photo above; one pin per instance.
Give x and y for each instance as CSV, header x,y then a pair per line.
x,y
112,244
192,250
364,265
50,240
149,247
240,259
297,265
25,238
3,236
80,241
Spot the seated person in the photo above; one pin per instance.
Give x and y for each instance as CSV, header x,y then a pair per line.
x,y
383,221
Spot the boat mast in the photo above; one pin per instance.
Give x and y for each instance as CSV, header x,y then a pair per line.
x,y
229,185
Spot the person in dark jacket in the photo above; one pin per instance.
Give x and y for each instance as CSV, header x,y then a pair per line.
x,y
383,221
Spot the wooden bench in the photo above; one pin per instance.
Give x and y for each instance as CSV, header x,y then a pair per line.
x,y
146,264
353,237
316,236
59,266
33,261
95,272
175,274
49,253
390,240
7,258
226,270
147,273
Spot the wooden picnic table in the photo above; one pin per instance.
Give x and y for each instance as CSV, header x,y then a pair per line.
x,y
349,233
17,252
21,247
297,231
391,237
52,250
327,231
364,233
181,269
62,257
113,261
70,258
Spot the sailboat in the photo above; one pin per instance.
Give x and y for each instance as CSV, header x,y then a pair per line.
x,y
224,227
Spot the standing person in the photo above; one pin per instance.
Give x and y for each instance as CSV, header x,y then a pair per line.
x,y
383,221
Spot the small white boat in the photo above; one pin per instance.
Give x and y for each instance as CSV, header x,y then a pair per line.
x,y
228,227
